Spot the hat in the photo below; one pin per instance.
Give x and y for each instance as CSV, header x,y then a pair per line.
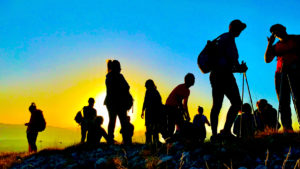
x,y
277,27
237,24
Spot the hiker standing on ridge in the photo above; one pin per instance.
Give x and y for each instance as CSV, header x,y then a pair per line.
x,y
222,80
287,73
89,115
199,122
177,105
153,108
117,100
36,124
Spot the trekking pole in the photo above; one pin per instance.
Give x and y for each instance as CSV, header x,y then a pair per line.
x,y
250,98
242,107
294,98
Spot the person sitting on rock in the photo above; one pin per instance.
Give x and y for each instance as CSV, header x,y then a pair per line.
x,y
96,132
244,125
268,115
128,132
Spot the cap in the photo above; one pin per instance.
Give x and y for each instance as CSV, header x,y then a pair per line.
x,y
237,24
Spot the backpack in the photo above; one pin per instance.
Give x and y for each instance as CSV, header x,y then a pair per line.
x,y
78,118
208,55
41,122
128,102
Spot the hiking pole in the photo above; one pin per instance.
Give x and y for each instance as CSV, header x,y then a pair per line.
x,y
294,98
250,99
242,106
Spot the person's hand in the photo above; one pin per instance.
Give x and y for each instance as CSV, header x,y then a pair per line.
x,y
142,116
271,39
243,67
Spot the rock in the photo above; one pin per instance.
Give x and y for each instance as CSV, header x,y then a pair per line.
x,y
260,167
206,157
100,162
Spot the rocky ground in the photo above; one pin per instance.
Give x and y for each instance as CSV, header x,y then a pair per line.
x,y
277,151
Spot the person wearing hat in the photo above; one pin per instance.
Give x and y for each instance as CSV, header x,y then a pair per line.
x,y
222,80
287,50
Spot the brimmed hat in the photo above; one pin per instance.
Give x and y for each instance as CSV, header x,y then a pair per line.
x,y
237,24
277,27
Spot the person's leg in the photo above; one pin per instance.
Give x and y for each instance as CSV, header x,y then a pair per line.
x,y
218,96
170,121
83,130
148,134
34,137
31,138
283,94
111,125
232,93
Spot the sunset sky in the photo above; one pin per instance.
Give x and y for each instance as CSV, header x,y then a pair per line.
x,y
54,52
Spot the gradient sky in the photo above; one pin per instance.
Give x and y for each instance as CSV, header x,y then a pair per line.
x,y
54,52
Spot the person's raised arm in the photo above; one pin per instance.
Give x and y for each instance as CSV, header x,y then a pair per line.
x,y
269,54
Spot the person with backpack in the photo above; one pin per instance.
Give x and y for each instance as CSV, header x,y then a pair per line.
x,y
89,115
222,80
153,108
36,124
199,122
287,74
176,106
118,99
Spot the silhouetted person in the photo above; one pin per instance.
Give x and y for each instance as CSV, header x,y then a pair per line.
x,y
128,132
89,114
37,123
222,80
153,108
244,126
199,122
177,105
96,132
117,90
268,115
287,74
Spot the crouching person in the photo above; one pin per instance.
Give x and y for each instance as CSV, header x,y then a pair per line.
x,y
96,132
244,125
127,132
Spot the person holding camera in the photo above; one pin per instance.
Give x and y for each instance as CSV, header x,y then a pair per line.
x,y
222,80
287,50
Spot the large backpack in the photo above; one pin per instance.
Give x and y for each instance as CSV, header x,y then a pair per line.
x,y
208,55
41,122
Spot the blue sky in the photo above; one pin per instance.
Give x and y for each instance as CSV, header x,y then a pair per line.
x,y
42,40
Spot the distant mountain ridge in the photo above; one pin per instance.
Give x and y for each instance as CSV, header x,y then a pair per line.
x,y
13,137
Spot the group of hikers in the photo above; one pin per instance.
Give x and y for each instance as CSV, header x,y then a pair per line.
x,y
172,119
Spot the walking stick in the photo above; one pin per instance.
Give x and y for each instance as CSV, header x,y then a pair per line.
x,y
242,107
294,98
250,98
